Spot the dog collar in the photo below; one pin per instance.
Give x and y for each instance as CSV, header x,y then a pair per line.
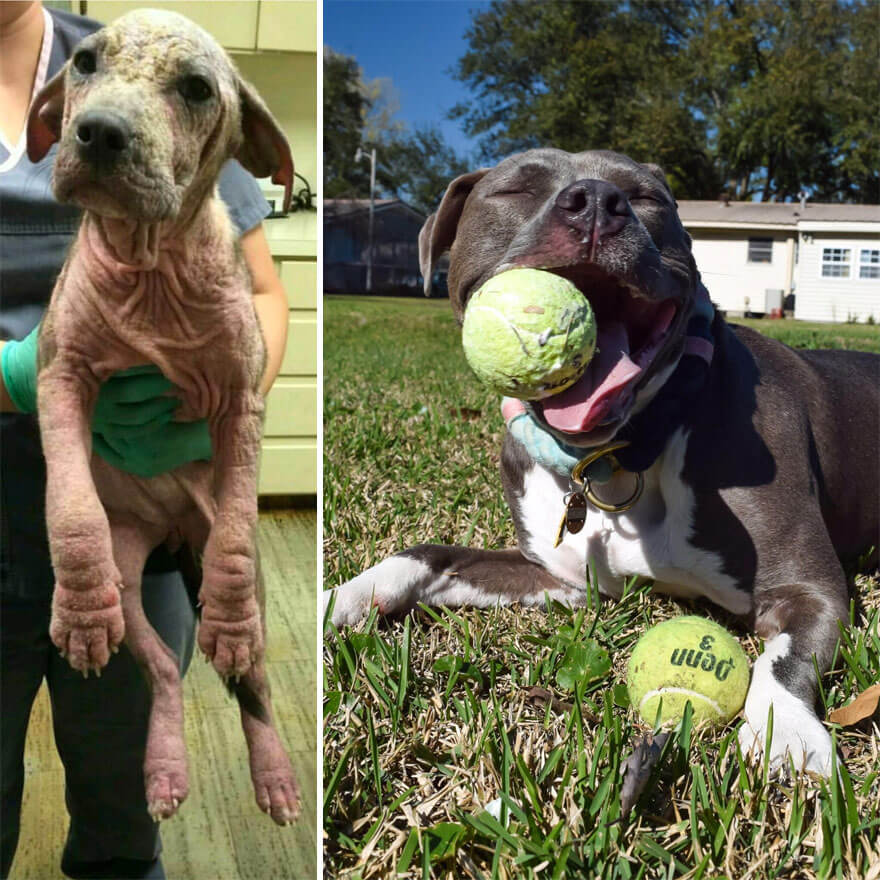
x,y
544,447
646,434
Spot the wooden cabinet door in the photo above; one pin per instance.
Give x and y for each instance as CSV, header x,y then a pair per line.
x,y
232,23
288,25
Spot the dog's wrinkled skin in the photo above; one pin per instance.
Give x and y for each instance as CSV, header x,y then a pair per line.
x,y
145,114
755,500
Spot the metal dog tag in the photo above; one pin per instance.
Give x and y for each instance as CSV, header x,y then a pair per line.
x,y
574,517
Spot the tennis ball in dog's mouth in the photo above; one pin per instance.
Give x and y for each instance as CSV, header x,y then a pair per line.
x,y
528,333
688,658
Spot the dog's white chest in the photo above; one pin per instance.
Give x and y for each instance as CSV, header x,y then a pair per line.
x,y
651,540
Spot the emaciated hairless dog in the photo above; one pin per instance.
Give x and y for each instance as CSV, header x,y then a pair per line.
x,y
145,115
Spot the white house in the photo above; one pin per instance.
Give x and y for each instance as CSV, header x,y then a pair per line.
x,y
754,255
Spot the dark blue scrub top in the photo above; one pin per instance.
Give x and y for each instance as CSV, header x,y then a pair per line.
x,y
35,233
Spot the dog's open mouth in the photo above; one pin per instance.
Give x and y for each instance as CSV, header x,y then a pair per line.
x,y
631,330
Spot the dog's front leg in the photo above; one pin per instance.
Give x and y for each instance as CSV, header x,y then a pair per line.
x,y
230,631
801,626
438,574
87,622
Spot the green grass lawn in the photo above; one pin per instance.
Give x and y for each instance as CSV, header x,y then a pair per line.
x,y
809,334
431,719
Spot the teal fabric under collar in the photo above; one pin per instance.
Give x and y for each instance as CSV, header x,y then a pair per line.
x,y
545,449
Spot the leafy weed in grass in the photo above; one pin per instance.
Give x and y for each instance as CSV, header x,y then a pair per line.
x,y
469,743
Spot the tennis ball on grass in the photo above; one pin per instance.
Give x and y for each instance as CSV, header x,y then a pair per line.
x,y
528,333
688,658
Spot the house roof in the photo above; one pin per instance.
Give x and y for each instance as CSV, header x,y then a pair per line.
x,y
347,207
694,213
773,213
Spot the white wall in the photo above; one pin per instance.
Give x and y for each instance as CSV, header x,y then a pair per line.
x,y
834,299
722,258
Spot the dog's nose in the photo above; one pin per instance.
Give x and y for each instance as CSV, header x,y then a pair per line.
x,y
102,137
588,205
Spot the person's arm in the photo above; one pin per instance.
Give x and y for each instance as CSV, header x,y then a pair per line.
x,y
270,301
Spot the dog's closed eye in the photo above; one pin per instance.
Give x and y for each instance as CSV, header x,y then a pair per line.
x,y
646,197
510,193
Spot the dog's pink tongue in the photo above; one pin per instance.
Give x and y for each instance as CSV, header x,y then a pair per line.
x,y
581,407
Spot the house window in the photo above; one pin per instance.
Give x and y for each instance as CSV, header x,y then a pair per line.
x,y
760,250
869,264
835,262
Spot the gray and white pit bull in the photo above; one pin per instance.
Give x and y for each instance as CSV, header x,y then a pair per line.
x,y
760,463
145,114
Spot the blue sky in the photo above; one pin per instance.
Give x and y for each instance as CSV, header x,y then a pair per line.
x,y
413,42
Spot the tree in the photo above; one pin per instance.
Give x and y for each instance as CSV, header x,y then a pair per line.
x,y
423,165
856,101
413,165
345,111
761,97
384,104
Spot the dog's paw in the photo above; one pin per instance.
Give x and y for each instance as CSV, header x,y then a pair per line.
x,y
87,625
799,737
231,639
392,586
349,606
275,787
167,785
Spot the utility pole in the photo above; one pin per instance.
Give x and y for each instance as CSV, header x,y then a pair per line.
x,y
360,154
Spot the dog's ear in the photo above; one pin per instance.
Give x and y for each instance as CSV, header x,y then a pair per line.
x,y
658,172
438,233
264,150
45,117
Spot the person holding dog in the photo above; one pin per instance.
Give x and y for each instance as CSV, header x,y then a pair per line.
x,y
100,725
